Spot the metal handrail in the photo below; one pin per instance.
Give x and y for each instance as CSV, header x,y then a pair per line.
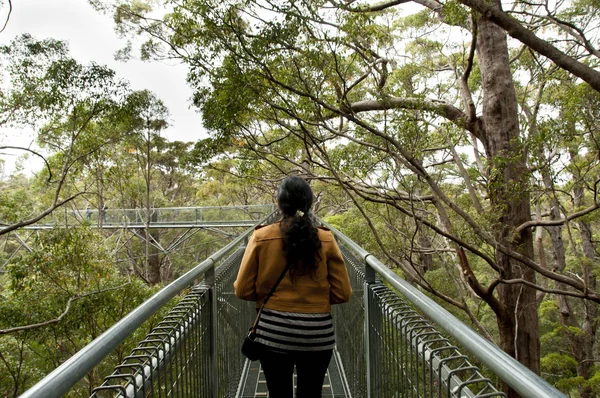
x,y
512,372
61,379
242,207
159,215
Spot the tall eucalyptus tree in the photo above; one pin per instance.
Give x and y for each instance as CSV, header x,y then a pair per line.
x,y
148,121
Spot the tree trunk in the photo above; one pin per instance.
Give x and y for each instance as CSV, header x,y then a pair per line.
x,y
101,210
580,344
152,266
509,196
583,343
153,271
558,247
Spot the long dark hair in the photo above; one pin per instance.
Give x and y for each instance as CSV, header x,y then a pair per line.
x,y
301,242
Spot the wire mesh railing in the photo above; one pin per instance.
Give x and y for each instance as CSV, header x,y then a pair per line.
x,y
412,358
177,358
349,326
172,359
404,355
234,318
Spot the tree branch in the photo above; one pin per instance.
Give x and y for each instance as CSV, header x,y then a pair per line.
x,y
438,107
548,223
61,316
593,297
35,153
464,79
377,7
39,216
574,31
514,28
10,8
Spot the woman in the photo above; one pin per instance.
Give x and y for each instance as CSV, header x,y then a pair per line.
x,y
295,327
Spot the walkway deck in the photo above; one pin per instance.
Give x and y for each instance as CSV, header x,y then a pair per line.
x,y
256,384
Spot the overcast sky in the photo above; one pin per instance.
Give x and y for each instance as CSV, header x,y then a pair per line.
x,y
91,37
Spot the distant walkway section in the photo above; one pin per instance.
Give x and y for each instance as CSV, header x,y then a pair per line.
x,y
163,217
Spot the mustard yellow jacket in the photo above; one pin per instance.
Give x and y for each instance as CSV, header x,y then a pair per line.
x,y
264,261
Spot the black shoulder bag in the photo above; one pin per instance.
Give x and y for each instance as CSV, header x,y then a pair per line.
x,y
250,348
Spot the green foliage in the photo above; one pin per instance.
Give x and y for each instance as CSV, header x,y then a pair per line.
x,y
456,14
232,97
50,89
417,20
130,13
17,201
594,381
351,224
561,370
61,288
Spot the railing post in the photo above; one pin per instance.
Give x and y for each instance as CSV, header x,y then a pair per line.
x,y
213,333
369,279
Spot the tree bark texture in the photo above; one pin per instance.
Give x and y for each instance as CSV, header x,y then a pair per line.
x,y
509,196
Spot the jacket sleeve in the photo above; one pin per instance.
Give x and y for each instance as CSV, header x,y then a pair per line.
x,y
244,286
339,281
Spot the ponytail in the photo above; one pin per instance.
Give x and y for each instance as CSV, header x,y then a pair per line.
x,y
301,241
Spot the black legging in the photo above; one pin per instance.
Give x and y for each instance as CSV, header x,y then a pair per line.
x,y
310,372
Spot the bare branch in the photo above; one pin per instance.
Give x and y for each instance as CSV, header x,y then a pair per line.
x,y
547,223
61,316
43,214
464,79
438,107
593,297
377,7
10,8
574,31
35,153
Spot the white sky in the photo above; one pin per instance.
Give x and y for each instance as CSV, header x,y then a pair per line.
x,y
91,37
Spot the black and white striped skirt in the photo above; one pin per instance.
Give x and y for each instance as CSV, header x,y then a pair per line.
x,y
293,331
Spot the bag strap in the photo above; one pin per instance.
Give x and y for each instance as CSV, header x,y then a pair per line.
x,y
268,296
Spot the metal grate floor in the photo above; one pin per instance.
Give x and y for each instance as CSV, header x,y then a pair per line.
x,y
255,385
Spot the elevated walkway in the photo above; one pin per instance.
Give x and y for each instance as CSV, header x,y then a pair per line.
x,y
222,220
392,341
164,217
